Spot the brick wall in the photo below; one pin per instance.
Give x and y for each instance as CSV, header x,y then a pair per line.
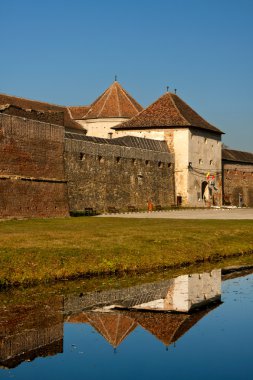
x,y
237,179
102,176
32,179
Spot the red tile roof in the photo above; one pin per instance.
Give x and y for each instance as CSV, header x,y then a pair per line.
x,y
237,156
48,109
78,112
114,102
169,111
114,327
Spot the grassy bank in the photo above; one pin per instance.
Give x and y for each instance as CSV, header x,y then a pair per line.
x,y
43,250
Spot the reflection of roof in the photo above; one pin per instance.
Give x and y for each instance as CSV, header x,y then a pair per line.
x,y
34,108
192,319
168,111
162,325
166,327
128,141
114,327
237,156
114,102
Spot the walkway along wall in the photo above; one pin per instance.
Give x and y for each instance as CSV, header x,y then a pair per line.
x,y
32,182
101,175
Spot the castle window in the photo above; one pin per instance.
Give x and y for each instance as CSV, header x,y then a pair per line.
x,y
169,164
81,156
205,139
134,161
200,161
118,159
110,135
140,179
147,162
101,159
160,164
211,162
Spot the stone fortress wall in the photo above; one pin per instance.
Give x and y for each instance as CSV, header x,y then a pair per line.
x,y
32,179
43,174
238,184
101,175
50,165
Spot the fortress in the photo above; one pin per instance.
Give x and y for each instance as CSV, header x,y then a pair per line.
x,y
114,154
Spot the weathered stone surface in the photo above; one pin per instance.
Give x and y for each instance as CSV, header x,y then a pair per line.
x,y
238,182
102,176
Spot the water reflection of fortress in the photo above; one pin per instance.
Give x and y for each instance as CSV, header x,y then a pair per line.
x,y
166,309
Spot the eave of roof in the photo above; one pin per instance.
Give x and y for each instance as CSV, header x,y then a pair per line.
x,y
169,111
237,156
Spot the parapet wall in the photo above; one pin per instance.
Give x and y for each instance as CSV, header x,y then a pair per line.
x,y
102,176
51,117
32,181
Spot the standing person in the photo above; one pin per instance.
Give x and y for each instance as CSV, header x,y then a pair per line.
x,y
150,206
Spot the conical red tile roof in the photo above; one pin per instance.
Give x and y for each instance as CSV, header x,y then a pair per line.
x,y
168,111
114,102
114,327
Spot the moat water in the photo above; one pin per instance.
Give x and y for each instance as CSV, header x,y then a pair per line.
x,y
192,326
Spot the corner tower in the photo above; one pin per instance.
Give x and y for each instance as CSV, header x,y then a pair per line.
x,y
195,143
111,108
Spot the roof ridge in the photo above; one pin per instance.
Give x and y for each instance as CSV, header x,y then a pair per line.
x,y
193,110
127,96
109,93
180,114
118,99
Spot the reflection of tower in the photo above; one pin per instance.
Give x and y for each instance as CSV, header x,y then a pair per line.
x,y
176,297
195,290
187,292
30,331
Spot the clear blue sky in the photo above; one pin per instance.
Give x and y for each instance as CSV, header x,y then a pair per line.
x,y
68,51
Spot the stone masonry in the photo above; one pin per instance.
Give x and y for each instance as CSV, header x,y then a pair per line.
x,y
102,176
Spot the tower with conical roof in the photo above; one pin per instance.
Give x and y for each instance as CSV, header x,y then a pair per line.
x,y
111,108
195,143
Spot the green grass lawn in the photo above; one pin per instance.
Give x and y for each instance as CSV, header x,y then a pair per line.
x,y
43,250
